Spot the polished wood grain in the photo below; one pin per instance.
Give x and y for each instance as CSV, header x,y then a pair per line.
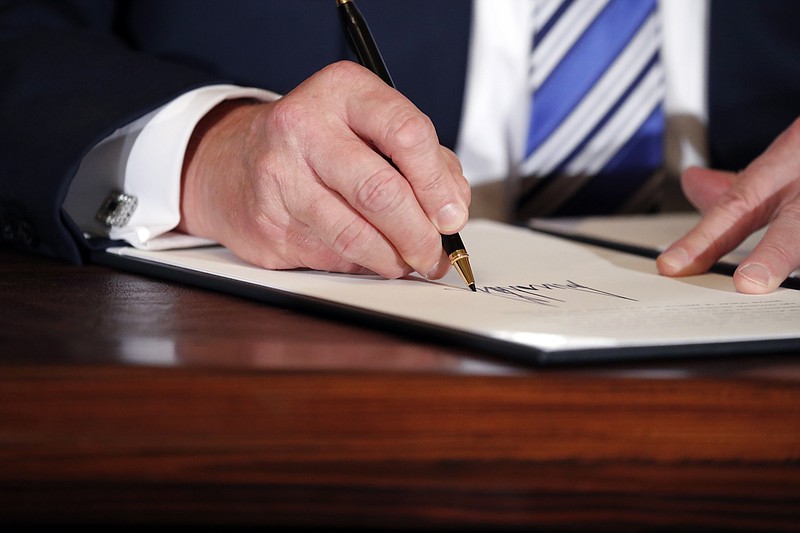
x,y
126,400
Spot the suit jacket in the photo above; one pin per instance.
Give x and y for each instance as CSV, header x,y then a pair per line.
x,y
73,71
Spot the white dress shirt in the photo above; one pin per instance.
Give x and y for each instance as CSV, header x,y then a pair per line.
x,y
145,158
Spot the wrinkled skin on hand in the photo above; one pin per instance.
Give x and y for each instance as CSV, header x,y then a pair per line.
x,y
302,182
734,205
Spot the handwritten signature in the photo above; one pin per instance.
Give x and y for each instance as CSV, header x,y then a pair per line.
x,y
543,293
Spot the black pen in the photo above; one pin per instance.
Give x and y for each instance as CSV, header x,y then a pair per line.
x,y
363,45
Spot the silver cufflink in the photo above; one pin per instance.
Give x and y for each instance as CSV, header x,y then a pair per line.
x,y
116,210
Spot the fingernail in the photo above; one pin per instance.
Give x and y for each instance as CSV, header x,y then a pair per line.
x,y
450,218
675,259
756,273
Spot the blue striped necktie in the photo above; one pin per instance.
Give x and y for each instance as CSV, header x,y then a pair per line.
x,y
597,120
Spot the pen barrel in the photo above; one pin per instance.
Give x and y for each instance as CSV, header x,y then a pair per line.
x,y
361,42
366,50
452,243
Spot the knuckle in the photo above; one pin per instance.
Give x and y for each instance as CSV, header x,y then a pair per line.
x,y
380,192
738,202
341,71
353,241
313,209
791,212
265,164
432,182
411,131
428,245
287,115
342,75
777,252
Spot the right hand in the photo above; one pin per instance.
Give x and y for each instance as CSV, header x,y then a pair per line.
x,y
302,182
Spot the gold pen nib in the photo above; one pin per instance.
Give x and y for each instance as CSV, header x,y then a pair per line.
x,y
460,261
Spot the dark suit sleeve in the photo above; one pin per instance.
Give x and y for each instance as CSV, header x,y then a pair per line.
x,y
73,71
66,82
754,77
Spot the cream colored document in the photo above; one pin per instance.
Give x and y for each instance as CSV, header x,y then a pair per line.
x,y
539,297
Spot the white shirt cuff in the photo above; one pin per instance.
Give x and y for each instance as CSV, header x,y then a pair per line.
x,y
153,170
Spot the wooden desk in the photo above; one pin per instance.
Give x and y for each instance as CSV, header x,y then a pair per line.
x,y
127,400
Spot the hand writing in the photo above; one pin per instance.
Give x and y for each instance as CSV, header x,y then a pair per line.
x,y
301,182
736,205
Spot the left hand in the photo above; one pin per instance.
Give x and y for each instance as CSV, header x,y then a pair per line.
x,y
736,205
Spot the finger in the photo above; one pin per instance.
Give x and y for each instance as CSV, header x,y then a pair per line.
x,y
273,238
407,136
775,257
739,212
300,247
319,162
380,195
704,187
347,233
745,207
457,171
